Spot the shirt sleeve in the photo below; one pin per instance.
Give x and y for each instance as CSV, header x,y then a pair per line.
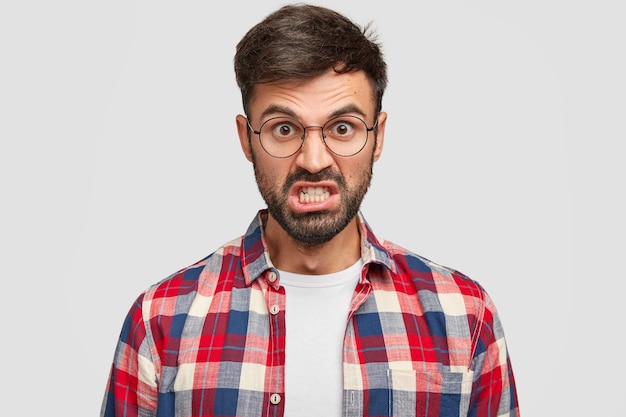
x,y
494,392
132,388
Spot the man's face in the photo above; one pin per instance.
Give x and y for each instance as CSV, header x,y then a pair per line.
x,y
314,194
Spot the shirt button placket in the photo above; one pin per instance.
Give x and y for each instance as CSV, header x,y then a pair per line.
x,y
274,310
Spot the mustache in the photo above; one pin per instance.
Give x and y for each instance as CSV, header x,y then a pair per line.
x,y
327,174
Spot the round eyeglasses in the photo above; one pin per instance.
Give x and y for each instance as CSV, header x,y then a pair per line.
x,y
282,137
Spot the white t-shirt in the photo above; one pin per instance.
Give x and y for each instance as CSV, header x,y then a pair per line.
x,y
317,308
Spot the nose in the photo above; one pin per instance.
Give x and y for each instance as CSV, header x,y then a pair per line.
x,y
314,156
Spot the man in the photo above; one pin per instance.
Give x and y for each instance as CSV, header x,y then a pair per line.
x,y
308,313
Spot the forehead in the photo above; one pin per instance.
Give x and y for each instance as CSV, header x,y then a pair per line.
x,y
316,98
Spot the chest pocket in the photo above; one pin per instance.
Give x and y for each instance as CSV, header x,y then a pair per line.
x,y
421,394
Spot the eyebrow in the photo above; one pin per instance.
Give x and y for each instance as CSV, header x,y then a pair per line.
x,y
277,109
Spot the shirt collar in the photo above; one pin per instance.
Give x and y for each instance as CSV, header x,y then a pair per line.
x,y
256,258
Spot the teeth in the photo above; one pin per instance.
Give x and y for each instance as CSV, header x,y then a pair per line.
x,y
314,194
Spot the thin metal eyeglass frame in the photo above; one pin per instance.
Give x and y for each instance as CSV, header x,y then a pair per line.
x,y
304,134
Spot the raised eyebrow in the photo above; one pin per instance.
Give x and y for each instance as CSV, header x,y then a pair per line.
x,y
277,110
347,110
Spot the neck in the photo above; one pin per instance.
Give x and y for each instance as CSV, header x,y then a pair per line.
x,y
335,255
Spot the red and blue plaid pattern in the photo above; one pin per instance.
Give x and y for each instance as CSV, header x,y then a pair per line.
x,y
421,340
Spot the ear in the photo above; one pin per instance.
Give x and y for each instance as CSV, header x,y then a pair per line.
x,y
380,137
244,138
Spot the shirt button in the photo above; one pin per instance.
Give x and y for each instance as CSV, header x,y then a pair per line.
x,y
272,277
275,398
274,309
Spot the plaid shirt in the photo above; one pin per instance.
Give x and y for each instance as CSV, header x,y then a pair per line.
x,y
421,340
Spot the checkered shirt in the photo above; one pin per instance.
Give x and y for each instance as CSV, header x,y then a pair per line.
x,y
421,340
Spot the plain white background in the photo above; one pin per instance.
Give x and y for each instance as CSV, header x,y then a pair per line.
x,y
119,164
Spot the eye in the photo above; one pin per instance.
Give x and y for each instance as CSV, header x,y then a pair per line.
x,y
282,128
341,129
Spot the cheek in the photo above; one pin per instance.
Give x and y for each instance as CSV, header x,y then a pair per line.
x,y
356,170
271,172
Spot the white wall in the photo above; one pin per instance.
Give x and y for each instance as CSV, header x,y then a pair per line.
x,y
119,164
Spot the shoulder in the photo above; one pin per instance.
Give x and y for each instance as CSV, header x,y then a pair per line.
x,y
444,295
170,293
431,279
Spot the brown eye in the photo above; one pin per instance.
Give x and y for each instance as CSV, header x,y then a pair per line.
x,y
283,130
341,129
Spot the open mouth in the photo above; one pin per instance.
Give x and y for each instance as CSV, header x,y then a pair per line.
x,y
314,194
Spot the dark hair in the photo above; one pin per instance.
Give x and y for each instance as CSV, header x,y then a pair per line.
x,y
299,42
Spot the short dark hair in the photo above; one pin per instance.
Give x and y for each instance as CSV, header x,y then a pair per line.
x,y
300,42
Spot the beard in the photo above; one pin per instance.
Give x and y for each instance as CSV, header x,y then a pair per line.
x,y
313,228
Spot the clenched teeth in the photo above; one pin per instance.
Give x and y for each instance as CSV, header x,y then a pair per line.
x,y
314,194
